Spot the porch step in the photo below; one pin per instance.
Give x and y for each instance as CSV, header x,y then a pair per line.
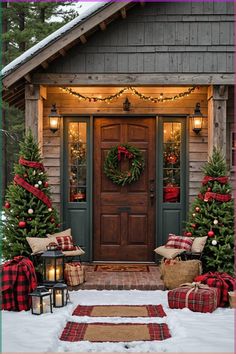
x,y
121,280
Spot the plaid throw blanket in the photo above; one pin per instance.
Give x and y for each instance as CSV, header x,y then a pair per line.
x,y
18,280
223,281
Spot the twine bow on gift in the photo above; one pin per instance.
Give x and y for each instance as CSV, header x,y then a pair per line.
x,y
194,287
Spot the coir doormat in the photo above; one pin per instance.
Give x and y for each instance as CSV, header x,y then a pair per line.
x,y
110,332
120,311
121,268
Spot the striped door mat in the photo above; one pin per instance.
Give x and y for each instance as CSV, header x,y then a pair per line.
x,y
110,332
120,311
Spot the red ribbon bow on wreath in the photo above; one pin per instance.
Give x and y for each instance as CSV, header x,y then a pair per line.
x,y
123,150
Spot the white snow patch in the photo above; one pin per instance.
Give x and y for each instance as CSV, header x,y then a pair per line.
x,y
191,331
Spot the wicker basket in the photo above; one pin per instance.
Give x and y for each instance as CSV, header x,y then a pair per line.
x,y
178,272
232,299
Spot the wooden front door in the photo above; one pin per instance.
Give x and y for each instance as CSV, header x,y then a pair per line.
x,y
124,217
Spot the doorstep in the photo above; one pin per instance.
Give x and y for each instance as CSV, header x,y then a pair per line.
x,y
121,280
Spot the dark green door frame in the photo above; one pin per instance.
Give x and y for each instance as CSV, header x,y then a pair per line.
x,y
170,216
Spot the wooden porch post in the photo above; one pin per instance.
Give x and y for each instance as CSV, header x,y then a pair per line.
x,y
34,95
217,99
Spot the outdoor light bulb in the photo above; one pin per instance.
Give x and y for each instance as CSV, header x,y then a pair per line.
x,y
53,123
197,123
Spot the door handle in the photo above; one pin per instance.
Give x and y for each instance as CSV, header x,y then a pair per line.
x,y
152,190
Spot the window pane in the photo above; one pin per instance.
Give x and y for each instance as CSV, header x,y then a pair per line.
x,y
171,161
77,150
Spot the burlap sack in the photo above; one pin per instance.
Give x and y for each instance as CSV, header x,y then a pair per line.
x,y
74,273
176,272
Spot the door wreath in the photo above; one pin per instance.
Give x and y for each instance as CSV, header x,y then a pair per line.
x,y
111,164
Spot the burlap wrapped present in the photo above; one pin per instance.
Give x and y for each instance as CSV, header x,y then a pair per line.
x,y
176,272
74,273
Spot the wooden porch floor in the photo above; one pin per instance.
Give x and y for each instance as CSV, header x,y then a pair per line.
x,y
103,280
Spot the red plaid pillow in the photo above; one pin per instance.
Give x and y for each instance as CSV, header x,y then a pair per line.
x,y
180,242
65,243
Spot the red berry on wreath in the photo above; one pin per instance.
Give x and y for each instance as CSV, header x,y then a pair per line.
x,y
189,234
22,224
197,209
7,205
211,233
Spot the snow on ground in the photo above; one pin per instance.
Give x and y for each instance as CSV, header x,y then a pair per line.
x,y
191,331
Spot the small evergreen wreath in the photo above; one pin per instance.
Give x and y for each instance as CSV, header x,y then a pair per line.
x,y
111,164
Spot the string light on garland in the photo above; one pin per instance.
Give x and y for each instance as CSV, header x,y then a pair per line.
x,y
134,91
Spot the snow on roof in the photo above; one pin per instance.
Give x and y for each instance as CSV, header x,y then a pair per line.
x,y
84,14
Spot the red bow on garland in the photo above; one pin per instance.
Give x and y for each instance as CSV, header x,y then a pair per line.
x,y
219,197
221,180
123,150
32,164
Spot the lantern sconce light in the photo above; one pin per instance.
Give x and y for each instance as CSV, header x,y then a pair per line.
x,y
54,119
197,119
126,105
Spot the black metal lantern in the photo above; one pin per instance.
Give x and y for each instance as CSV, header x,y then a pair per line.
x,y
197,119
54,119
41,301
53,267
60,295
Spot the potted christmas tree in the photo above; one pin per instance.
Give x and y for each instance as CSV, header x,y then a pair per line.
x,y
28,207
212,215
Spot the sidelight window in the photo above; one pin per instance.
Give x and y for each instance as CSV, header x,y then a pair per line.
x,y
77,161
171,161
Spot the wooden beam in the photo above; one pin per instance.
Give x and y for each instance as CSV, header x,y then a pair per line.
x,y
63,41
34,111
83,39
123,13
45,64
103,25
132,79
62,52
217,113
28,78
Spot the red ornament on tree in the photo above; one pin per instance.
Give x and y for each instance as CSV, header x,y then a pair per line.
x,y
172,158
46,184
189,234
52,220
22,224
209,189
197,209
7,205
211,233
193,225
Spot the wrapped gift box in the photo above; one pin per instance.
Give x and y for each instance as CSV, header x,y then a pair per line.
x,y
195,296
74,273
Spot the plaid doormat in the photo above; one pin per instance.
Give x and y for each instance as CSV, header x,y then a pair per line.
x,y
120,311
121,268
110,332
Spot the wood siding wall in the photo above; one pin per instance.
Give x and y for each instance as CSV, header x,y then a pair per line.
x,y
195,37
67,104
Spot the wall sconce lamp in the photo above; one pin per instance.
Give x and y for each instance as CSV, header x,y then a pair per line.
x,y
197,119
54,119
126,105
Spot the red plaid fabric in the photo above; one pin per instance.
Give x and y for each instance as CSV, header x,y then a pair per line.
x,y
152,310
223,281
18,280
199,300
179,242
75,332
66,243
74,273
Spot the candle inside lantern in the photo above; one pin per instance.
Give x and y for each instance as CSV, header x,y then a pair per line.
x,y
58,299
51,274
